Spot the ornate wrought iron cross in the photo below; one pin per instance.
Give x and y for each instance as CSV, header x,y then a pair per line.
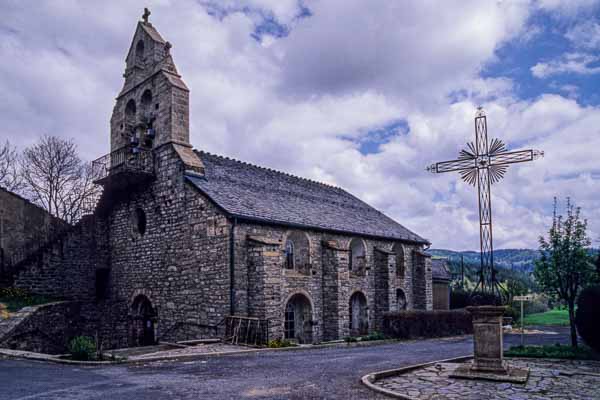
x,y
484,163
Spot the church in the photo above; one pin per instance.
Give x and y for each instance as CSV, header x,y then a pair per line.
x,y
181,239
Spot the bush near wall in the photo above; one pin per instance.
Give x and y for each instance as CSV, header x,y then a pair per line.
x,y
420,323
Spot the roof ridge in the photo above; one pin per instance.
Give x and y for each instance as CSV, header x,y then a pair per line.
x,y
270,170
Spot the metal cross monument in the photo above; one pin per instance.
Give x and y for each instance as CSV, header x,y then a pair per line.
x,y
483,164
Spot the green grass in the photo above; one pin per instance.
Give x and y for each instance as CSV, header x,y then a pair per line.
x,y
556,317
552,351
14,299
13,305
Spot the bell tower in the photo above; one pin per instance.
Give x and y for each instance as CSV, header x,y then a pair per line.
x,y
152,108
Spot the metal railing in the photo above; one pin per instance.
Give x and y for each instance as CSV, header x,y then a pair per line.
x,y
125,159
246,330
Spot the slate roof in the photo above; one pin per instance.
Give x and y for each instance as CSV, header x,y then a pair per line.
x,y
251,192
439,269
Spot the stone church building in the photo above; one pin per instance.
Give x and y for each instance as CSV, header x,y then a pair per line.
x,y
182,238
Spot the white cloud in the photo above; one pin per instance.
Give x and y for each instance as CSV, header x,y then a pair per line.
x,y
293,103
573,63
585,35
567,8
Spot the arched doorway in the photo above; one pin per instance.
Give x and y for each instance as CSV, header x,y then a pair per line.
x,y
359,315
298,319
143,321
401,300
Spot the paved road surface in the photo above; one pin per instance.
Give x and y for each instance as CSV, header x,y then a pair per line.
x,y
331,373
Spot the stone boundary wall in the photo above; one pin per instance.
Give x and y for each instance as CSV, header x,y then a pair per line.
x,y
46,328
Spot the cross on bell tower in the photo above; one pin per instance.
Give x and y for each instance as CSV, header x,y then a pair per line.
x,y
484,163
146,15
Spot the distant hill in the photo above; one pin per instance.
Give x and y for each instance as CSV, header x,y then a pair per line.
x,y
522,260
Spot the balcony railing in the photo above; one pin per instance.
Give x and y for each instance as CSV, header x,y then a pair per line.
x,y
126,160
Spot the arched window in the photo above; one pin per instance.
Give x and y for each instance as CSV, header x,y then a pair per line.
x,y
400,300
357,256
289,254
400,262
130,109
139,51
297,252
146,98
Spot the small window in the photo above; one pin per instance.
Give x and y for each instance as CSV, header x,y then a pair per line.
x,y
357,256
130,108
102,281
139,50
146,98
289,254
140,221
400,263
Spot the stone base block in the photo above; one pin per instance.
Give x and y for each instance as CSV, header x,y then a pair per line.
x,y
512,375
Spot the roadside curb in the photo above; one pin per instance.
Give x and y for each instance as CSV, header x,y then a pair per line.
x,y
28,355
370,379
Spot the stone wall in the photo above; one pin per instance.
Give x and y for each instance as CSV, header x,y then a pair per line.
x,y
179,262
422,281
66,270
327,283
22,225
46,328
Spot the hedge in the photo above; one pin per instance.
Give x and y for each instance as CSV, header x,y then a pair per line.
x,y
588,317
424,324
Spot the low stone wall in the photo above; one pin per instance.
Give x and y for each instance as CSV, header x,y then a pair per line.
x,y
46,328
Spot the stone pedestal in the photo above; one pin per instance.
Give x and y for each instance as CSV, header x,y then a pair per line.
x,y
488,362
487,338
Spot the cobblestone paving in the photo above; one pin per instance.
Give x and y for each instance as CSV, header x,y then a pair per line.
x,y
192,350
548,379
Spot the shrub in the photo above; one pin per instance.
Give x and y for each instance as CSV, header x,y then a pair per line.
x,y
512,312
279,343
588,315
350,339
373,336
82,348
420,323
458,299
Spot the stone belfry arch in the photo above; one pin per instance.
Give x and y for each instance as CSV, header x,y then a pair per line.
x,y
152,108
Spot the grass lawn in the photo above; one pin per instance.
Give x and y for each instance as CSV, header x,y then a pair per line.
x,y
15,299
553,351
555,317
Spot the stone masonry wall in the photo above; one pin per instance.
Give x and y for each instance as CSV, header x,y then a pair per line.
x,y
46,328
327,283
180,262
21,224
66,270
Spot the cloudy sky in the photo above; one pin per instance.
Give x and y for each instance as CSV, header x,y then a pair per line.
x,y
360,94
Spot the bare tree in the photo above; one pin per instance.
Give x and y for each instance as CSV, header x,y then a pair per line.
x,y
10,178
56,178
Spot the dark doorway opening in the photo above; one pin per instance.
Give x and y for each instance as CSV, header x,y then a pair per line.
x,y
298,319
359,315
143,322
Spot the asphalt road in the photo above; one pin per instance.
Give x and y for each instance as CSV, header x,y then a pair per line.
x,y
331,373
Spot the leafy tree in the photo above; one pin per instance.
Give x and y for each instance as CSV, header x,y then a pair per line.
x,y
565,266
